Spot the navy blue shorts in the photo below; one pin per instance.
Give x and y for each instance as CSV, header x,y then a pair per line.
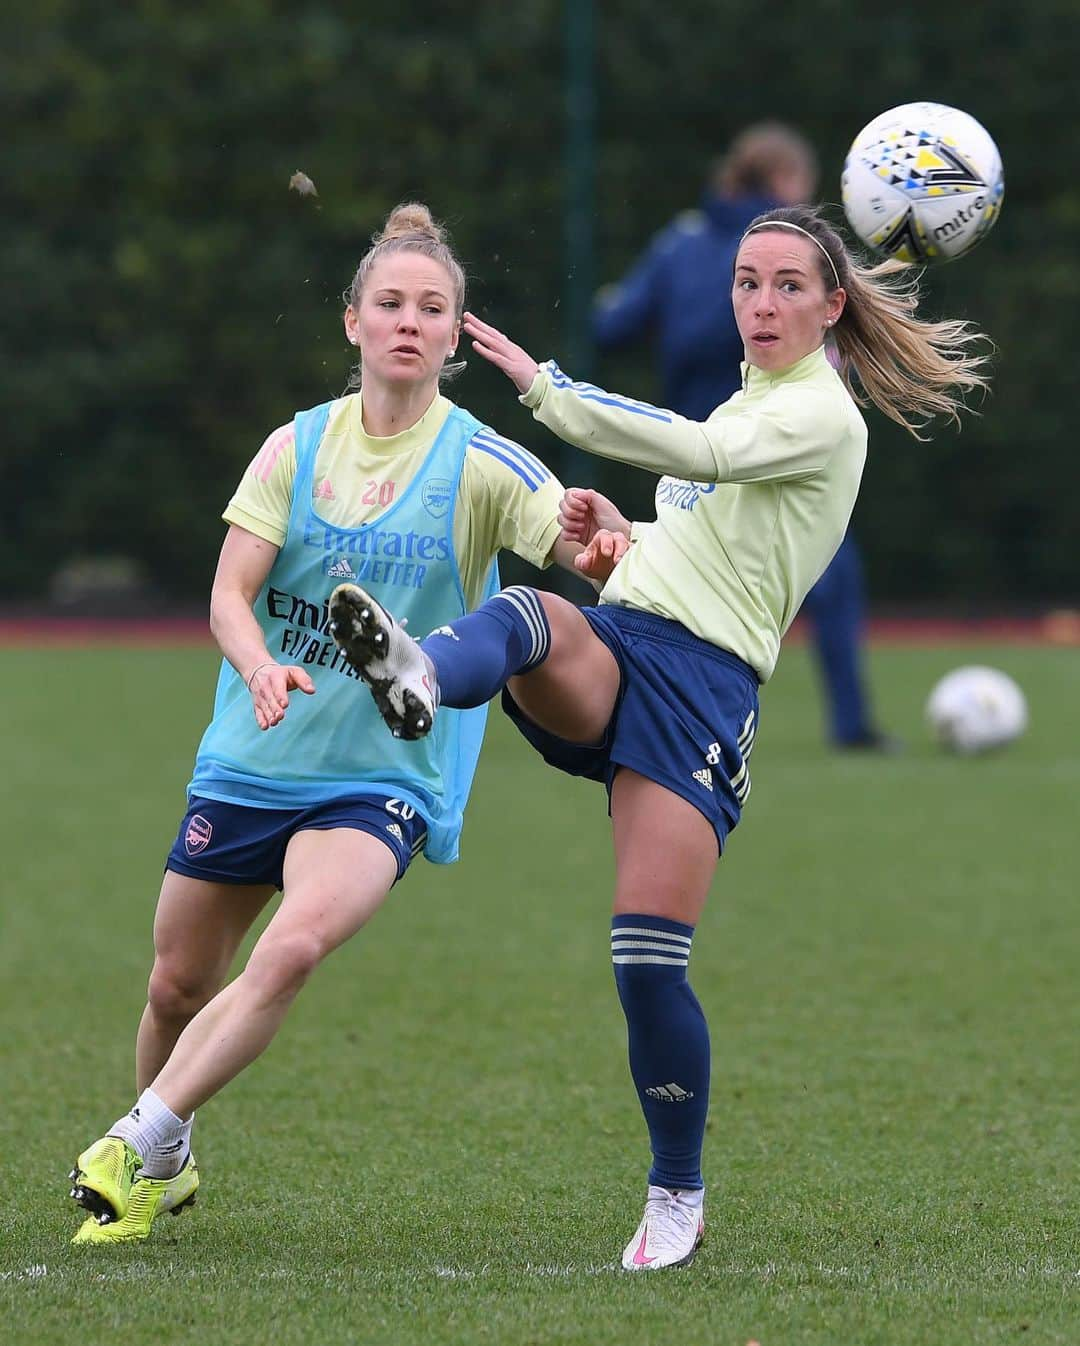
x,y
237,843
685,717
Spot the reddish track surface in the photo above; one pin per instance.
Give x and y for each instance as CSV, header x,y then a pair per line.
x,y
1057,628
72,632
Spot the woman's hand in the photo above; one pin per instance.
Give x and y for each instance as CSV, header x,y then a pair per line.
x,y
518,365
270,684
602,555
583,513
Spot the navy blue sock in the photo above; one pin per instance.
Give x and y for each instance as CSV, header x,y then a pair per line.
x,y
669,1042
476,655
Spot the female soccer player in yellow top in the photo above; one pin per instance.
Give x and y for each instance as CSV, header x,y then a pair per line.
x,y
399,488
655,691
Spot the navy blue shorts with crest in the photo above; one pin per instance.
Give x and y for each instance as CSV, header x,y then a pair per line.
x,y
685,717
237,843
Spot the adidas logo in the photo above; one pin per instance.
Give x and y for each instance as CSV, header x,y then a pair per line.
x,y
669,1093
396,832
340,570
324,491
704,777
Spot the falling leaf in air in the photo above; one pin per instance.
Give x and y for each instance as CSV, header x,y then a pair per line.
x,y
300,182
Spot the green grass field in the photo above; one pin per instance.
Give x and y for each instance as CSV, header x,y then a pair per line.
x,y
443,1145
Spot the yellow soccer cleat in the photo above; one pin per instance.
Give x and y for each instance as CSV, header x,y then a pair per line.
x,y
150,1197
102,1177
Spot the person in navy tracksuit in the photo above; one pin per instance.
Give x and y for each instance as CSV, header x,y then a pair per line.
x,y
679,291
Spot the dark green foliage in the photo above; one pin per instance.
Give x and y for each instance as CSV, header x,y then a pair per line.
x,y
168,300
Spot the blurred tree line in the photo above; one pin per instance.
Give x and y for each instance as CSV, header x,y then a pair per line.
x,y
168,300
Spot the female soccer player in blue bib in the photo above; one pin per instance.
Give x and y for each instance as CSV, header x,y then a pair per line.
x,y
399,489
655,691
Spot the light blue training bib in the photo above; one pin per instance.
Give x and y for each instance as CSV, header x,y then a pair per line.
x,y
334,744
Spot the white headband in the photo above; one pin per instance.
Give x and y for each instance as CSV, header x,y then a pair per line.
x,y
783,224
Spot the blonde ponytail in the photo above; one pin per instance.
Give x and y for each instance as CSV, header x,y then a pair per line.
x,y
910,368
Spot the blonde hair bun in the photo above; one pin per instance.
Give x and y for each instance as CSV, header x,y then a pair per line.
x,y
410,217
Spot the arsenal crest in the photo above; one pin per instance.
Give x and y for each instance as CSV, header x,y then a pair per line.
x,y
436,497
197,837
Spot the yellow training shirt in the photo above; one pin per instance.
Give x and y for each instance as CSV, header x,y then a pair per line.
x,y
758,499
506,496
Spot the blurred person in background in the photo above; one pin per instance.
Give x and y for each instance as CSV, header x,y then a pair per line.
x,y
393,484
654,691
678,293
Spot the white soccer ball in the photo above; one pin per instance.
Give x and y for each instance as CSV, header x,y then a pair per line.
x,y
975,708
922,183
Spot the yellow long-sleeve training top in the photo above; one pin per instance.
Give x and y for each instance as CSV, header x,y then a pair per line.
x,y
756,501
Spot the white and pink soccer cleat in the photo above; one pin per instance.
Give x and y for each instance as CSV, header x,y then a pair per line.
x,y
670,1231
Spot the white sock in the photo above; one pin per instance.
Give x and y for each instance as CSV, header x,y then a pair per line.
x,y
166,1160
149,1124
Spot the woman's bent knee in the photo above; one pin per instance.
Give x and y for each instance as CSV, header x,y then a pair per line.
x,y
176,994
282,965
